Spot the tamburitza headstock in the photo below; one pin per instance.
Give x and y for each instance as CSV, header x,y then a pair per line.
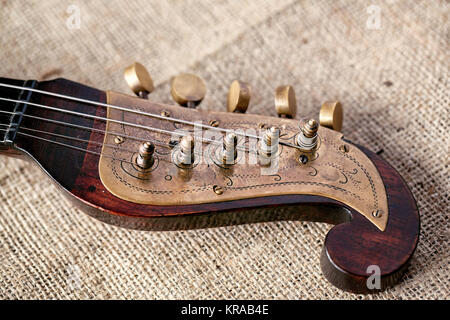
x,y
144,165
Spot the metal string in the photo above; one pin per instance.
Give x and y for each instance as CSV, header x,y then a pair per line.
x,y
68,124
131,111
106,119
79,140
71,146
153,115
167,145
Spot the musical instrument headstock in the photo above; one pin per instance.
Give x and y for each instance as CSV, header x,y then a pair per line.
x,y
133,162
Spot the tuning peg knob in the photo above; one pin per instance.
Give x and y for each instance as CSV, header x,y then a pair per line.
x,y
285,102
188,90
331,115
138,79
238,97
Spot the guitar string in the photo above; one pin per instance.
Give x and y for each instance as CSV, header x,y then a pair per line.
x,y
138,112
72,138
166,145
107,119
81,140
153,115
72,147
68,124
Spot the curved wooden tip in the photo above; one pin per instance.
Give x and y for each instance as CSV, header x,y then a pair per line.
x,y
355,251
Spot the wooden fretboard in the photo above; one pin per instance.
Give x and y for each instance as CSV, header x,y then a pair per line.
x,y
12,114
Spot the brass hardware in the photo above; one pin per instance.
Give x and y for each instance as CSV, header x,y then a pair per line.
x,y
218,190
303,159
165,113
331,115
268,145
377,213
145,158
185,154
343,148
229,154
139,80
214,123
119,140
188,90
238,97
285,102
307,137
350,178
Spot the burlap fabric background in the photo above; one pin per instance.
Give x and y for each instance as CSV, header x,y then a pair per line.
x,y
393,83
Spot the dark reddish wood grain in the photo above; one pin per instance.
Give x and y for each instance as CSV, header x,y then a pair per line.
x,y
350,246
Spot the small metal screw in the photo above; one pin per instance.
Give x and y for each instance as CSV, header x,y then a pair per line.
x,y
218,190
344,148
377,213
165,113
119,140
303,159
214,123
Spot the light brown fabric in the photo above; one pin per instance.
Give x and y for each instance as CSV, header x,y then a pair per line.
x,y
392,82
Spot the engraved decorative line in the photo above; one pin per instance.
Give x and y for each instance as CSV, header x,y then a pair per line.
x,y
320,184
346,173
314,172
126,183
372,185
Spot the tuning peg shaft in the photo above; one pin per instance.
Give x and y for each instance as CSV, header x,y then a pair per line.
x,y
145,158
331,115
285,102
188,90
138,79
238,97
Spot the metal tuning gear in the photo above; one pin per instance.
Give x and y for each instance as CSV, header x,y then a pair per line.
x,y
238,97
268,145
139,80
307,137
229,153
285,102
184,154
188,90
145,159
331,115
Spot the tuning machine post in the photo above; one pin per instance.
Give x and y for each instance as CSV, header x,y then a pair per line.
x,y
145,157
184,155
307,137
139,80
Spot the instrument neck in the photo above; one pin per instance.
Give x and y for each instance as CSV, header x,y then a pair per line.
x,y
12,112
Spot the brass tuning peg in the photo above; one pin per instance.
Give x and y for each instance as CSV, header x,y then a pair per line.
x,y
331,115
285,102
188,90
138,79
238,97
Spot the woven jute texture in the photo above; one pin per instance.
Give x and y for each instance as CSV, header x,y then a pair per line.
x,y
391,77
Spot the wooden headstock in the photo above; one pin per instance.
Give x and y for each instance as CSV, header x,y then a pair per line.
x,y
125,161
